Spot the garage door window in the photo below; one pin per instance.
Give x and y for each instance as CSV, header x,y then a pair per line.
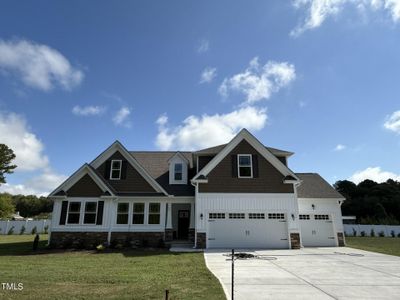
x,y
236,216
276,216
216,216
321,217
304,217
256,216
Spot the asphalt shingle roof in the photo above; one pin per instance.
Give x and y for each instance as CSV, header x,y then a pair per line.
x,y
314,186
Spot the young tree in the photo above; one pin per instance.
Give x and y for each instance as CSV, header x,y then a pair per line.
x,y
6,156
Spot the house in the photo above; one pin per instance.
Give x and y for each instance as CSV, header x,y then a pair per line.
x,y
237,195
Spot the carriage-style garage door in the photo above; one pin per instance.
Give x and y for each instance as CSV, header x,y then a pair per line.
x,y
317,230
247,230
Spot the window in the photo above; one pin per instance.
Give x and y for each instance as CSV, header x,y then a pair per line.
x,y
304,217
122,213
115,172
74,211
276,216
256,216
154,213
245,169
321,217
138,213
236,216
90,213
216,216
178,172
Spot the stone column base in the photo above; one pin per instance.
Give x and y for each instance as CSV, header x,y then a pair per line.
x,y
201,240
169,234
191,235
340,238
295,240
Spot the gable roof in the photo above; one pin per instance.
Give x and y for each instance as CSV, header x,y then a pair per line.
x,y
217,149
314,186
117,146
246,135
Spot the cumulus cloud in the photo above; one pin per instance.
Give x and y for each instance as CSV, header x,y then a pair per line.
x,y
393,122
208,75
121,117
259,82
340,147
204,46
317,11
37,65
373,173
208,130
90,110
15,133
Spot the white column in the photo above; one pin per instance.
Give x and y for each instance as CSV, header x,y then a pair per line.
x,y
169,215
192,215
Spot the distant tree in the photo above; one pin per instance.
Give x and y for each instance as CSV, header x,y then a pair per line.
x,y
6,156
6,206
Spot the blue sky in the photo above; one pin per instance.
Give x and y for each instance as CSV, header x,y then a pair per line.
x,y
319,78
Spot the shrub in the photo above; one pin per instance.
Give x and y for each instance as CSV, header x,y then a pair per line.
x,y
22,231
100,248
381,233
46,229
362,233
11,231
392,234
372,233
34,230
354,232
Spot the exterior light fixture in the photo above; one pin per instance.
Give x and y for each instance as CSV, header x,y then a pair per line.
x,y
201,216
313,206
293,217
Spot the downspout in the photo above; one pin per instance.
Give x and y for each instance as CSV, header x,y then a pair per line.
x,y
195,215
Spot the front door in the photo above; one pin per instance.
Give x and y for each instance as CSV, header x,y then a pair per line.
x,y
183,224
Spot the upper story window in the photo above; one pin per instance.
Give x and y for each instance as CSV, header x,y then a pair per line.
x,y
245,168
115,172
178,172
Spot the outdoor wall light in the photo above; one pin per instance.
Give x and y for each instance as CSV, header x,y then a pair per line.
x,y
293,217
313,206
201,216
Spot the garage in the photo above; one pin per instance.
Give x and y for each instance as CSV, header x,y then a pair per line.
x,y
247,230
317,230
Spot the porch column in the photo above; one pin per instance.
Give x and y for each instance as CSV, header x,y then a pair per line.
x,y
192,222
168,227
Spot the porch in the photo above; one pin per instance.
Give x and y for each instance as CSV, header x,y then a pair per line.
x,y
180,222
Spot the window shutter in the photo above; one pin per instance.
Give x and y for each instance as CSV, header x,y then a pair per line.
x,y
107,169
123,169
63,216
254,158
234,166
100,208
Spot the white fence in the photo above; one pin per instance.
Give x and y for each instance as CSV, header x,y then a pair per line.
x,y
16,226
350,229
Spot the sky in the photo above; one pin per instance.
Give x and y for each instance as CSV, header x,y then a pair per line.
x,y
316,77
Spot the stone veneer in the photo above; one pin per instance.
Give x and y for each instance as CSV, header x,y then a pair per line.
x,y
139,239
87,240
340,237
201,240
169,235
295,240
191,234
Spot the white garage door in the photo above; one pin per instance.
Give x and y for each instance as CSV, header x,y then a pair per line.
x,y
317,230
247,230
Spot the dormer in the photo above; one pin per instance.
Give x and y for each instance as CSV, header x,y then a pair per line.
x,y
178,169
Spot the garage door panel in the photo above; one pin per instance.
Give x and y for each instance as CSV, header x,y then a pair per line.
x,y
317,230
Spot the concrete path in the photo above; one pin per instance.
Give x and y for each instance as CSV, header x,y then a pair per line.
x,y
310,273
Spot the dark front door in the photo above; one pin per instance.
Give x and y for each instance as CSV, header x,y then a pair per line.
x,y
183,224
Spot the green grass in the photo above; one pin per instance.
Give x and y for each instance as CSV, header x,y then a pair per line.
x,y
89,275
384,245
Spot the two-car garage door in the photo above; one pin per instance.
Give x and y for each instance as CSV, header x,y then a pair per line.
x,y
247,230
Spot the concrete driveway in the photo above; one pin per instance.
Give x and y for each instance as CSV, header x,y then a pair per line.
x,y
310,273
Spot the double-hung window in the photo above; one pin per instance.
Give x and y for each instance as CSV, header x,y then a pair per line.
x,y
90,212
74,212
115,172
154,213
138,213
178,172
245,169
122,213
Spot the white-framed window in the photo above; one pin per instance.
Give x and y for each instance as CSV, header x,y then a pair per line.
x,y
245,166
154,213
304,217
115,170
276,216
321,217
123,213
256,216
216,215
90,212
236,216
74,212
178,172
138,213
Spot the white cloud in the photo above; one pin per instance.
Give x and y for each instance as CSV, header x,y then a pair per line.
x,y
37,65
28,149
319,10
208,75
259,82
340,147
203,46
208,130
40,185
90,110
375,174
121,117
393,122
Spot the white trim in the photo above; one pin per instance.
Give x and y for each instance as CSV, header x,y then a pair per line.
x,y
251,165
82,211
182,157
112,169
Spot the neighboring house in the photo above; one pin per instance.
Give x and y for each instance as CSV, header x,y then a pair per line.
x,y
238,195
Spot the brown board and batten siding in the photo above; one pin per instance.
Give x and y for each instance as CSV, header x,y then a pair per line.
x,y
131,180
222,179
85,187
204,160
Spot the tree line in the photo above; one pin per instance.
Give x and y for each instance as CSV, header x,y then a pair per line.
x,y
29,206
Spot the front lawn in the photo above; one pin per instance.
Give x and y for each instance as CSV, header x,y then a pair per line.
x,y
88,275
384,245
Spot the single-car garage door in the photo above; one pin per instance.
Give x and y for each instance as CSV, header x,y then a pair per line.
x,y
247,230
317,230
